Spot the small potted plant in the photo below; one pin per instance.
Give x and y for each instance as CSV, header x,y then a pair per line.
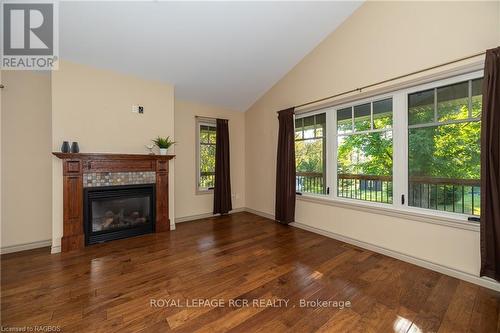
x,y
163,144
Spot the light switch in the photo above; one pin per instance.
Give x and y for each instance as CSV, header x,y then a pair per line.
x,y
138,109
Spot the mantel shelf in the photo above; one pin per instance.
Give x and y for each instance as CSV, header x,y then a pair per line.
x,y
111,156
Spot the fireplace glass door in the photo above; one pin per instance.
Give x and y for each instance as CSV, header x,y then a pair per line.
x,y
118,212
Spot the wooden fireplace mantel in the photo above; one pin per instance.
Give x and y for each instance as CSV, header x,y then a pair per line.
x,y
75,165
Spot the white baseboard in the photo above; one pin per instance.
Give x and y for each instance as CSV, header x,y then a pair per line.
x,y
204,216
482,281
55,249
25,246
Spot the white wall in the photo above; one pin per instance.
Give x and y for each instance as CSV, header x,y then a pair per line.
x,y
379,41
188,203
94,107
26,160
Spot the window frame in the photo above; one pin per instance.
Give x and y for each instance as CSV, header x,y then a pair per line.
x,y
201,122
334,163
326,152
400,149
405,177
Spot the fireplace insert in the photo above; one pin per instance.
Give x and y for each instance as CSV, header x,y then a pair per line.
x,y
114,212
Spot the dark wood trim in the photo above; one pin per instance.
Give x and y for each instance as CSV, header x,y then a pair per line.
x,y
75,165
112,156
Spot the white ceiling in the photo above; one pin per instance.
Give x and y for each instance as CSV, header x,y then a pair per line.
x,y
220,53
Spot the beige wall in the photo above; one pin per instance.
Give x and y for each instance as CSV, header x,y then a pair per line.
x,y
94,107
26,158
380,40
187,202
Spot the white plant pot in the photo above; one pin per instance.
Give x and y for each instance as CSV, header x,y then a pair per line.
x,y
163,151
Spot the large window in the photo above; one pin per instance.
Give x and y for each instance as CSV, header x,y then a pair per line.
x,y
207,132
310,151
444,147
416,149
364,151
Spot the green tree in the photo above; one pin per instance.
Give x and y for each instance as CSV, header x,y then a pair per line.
x,y
309,155
448,150
368,154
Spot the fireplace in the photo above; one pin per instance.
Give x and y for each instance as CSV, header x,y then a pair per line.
x,y
114,212
115,175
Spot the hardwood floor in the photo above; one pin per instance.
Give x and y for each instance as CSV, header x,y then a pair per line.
x,y
110,287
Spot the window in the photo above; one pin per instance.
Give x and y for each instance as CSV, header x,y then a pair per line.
x,y
444,148
364,151
207,132
310,152
415,149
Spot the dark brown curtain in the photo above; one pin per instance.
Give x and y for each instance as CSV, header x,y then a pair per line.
x,y
490,167
222,189
285,168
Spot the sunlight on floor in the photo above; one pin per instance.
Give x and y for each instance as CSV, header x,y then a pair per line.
x,y
402,325
316,275
95,269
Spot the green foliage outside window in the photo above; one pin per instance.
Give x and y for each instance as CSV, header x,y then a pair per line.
x,y
444,148
310,154
364,160
443,144
207,156
447,149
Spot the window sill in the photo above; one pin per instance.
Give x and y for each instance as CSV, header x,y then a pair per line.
x,y
203,192
440,219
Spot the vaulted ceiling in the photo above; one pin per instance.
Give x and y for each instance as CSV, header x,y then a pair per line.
x,y
220,53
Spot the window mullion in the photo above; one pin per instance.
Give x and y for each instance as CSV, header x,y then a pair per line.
x,y
332,150
371,116
470,100
352,118
400,150
435,106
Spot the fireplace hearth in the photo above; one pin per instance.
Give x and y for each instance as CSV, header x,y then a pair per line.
x,y
114,212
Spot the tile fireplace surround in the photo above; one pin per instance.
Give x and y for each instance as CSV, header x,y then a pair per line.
x,y
93,170
96,179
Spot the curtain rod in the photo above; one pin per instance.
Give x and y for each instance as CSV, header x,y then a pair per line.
x,y
389,80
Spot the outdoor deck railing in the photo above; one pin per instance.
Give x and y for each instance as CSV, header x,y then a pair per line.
x,y
445,194
365,187
310,182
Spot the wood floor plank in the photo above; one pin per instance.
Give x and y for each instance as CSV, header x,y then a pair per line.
x,y
109,287
459,312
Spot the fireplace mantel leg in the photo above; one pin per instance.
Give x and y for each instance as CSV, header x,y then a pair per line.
x,y
73,236
162,220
